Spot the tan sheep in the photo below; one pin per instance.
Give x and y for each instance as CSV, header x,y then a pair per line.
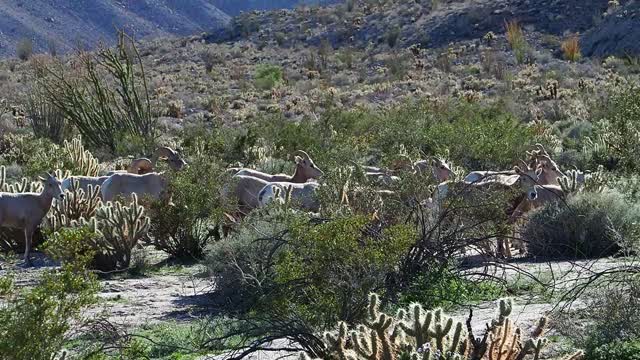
x,y
26,210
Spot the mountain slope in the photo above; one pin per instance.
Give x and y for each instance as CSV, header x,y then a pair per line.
x,y
69,23
235,7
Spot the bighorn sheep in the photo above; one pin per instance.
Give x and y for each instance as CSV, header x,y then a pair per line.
x,y
303,195
153,185
143,166
26,210
83,182
438,167
305,169
138,166
245,189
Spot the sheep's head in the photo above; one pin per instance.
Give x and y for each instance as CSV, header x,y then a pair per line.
x,y
175,161
528,177
306,166
140,166
52,186
441,170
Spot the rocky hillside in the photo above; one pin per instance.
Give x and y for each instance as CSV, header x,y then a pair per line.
x,y
69,23
235,7
66,24
606,28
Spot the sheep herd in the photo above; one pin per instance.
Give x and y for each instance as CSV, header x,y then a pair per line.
x,y
538,179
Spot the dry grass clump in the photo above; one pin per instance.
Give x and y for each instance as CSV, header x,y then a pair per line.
x,y
516,39
571,48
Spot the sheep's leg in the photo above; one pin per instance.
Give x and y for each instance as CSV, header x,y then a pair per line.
x,y
28,235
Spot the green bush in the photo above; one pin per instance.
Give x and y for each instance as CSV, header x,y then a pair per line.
x,y
24,49
392,36
184,228
267,76
620,130
588,225
35,155
625,350
71,245
323,271
35,323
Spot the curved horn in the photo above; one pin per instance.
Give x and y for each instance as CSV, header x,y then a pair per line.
x,y
525,165
165,151
140,166
304,154
541,148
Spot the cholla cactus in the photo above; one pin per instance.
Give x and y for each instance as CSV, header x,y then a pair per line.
x,y
570,183
80,160
417,334
121,228
377,340
77,204
23,186
432,332
489,38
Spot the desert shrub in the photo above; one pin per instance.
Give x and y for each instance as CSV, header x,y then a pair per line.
x,y
186,227
398,66
608,326
287,262
392,36
34,155
46,120
622,350
71,245
267,76
619,130
444,287
587,225
470,135
211,58
24,49
175,108
36,321
108,100
571,48
517,40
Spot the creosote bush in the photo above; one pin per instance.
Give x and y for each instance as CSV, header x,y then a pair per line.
x,y
36,322
587,225
268,76
24,49
184,228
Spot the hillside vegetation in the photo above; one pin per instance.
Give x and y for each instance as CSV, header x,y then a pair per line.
x,y
451,180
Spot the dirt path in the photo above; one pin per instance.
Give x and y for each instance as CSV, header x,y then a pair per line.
x,y
154,298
